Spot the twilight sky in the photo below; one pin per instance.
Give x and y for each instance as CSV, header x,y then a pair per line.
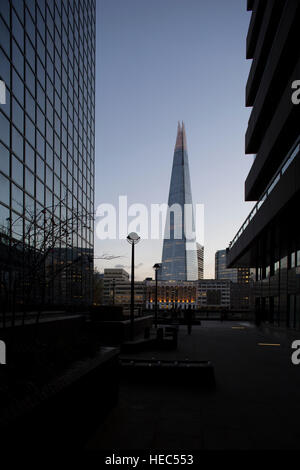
x,y
160,61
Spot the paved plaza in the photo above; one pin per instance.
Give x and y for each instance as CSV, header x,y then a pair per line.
x,y
254,405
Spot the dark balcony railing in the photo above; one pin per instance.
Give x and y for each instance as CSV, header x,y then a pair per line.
x,y
292,154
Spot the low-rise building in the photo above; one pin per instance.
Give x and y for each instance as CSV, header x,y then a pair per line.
x,y
202,294
213,293
171,294
117,289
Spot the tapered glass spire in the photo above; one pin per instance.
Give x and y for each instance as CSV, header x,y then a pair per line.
x,y
179,257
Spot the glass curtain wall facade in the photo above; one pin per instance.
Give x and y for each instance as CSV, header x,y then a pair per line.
x,y
47,55
240,274
200,258
221,270
179,257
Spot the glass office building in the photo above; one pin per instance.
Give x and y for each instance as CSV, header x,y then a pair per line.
x,y
221,270
241,275
200,259
47,56
179,257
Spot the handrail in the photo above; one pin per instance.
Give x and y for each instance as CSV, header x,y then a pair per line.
x,y
292,154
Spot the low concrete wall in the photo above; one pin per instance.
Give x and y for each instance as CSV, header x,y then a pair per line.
x,y
116,332
61,330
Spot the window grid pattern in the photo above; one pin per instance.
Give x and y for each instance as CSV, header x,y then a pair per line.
x,y
47,129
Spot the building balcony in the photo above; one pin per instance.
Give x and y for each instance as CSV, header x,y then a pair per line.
x,y
268,28
250,4
280,135
282,189
257,8
276,75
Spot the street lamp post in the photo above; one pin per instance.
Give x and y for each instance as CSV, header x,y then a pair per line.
x,y
156,267
114,291
133,239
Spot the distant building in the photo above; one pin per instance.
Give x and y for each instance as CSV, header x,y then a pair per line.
x,y
200,258
240,274
98,285
221,270
112,276
115,273
212,293
243,275
179,256
202,294
117,289
172,294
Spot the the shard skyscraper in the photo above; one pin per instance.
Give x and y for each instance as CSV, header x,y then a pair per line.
x,y
179,256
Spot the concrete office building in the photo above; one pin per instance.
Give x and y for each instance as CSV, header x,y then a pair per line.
x,y
111,277
269,240
213,294
117,289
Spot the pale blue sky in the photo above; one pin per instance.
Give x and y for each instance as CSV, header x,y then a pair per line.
x,y
160,61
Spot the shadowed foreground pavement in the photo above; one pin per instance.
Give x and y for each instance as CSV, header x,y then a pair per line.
x,y
255,404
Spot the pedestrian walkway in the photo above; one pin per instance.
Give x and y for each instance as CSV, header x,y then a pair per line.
x,y
255,404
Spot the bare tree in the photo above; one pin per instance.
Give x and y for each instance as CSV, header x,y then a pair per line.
x,y
34,263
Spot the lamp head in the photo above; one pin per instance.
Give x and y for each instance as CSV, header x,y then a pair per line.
x,y
157,266
133,238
